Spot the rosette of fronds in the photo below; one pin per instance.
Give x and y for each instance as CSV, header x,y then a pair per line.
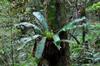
x,y
41,30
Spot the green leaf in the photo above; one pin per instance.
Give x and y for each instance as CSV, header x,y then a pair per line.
x,y
94,7
57,41
25,40
76,50
40,48
73,24
28,39
37,29
42,19
94,26
97,25
68,41
28,25
97,54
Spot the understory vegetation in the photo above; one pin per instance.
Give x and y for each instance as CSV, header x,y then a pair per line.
x,y
49,33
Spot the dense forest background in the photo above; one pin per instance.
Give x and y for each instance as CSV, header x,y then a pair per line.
x,y
15,51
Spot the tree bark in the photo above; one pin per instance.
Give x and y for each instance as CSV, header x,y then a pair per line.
x,y
65,52
56,23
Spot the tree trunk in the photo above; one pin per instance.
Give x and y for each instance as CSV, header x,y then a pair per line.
x,y
65,52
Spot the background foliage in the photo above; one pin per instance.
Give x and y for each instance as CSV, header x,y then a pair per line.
x,y
16,53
